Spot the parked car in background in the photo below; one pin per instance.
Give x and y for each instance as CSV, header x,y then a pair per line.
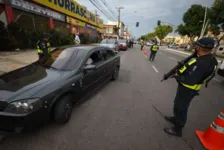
x,y
38,92
123,44
149,44
111,43
174,46
221,69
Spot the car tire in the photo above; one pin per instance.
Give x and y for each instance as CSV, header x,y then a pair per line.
x,y
115,74
63,110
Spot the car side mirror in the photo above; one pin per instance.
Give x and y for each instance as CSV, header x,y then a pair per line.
x,y
90,67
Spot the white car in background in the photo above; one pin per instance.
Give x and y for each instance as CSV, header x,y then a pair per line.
x,y
149,44
112,43
221,69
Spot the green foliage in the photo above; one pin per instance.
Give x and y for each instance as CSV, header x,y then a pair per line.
x,y
84,38
14,36
217,18
162,31
193,21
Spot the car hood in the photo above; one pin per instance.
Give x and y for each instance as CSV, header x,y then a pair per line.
x,y
109,45
123,43
23,83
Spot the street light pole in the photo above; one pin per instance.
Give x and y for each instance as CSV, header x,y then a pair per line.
x,y
119,17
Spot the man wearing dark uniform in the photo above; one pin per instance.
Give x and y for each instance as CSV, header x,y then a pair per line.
x,y
200,69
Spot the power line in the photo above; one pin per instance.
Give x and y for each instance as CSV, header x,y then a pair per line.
x,y
101,10
108,6
100,5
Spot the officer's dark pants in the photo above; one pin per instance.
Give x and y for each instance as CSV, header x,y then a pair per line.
x,y
152,55
181,104
41,57
142,47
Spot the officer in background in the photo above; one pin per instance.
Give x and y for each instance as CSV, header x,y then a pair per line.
x,y
154,49
190,78
142,44
43,47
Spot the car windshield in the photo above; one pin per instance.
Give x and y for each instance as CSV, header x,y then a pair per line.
x,y
108,41
122,41
64,59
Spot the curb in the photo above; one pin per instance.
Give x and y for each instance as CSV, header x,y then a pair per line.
x,y
169,49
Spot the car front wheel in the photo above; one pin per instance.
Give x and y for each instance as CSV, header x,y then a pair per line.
x,y
115,74
63,110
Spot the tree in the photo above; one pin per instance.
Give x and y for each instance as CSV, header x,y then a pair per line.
x,y
162,31
193,20
151,36
217,20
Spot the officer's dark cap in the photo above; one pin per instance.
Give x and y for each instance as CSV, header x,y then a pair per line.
x,y
46,35
207,43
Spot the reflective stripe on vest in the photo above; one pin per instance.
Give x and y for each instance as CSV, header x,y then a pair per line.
x,y
155,48
39,51
217,128
196,86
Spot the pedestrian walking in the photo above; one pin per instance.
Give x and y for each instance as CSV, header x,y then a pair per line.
x,y
77,39
190,78
43,47
154,49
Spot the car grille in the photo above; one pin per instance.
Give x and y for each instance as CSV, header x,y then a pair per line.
x,y
2,105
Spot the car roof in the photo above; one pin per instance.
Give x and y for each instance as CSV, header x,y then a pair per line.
x,y
85,47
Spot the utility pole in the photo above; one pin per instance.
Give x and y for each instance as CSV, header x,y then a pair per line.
x,y
119,19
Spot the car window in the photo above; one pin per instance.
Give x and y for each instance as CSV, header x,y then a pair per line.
x,y
64,59
107,54
96,58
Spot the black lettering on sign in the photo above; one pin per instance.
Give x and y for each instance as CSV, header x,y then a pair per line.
x,y
72,7
61,3
77,10
81,12
67,5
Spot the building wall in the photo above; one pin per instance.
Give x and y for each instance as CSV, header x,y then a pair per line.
x,y
3,14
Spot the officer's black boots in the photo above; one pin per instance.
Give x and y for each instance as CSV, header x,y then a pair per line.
x,y
175,131
170,119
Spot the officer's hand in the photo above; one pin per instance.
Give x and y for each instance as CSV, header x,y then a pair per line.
x,y
175,74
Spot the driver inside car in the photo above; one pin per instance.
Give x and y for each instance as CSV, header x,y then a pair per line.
x,y
89,61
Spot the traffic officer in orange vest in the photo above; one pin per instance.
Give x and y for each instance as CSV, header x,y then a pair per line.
x,y
154,49
43,47
200,69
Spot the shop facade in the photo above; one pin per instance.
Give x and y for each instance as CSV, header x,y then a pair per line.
x,y
44,15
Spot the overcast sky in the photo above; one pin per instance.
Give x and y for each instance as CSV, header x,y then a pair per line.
x,y
147,12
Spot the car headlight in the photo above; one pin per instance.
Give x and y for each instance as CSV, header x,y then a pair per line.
x,y
24,106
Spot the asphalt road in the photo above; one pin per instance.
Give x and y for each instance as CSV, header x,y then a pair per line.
x,y
127,114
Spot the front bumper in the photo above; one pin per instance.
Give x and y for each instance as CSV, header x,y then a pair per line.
x,y
16,123
221,72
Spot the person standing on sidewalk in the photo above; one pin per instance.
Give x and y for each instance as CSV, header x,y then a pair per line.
x,y
200,69
43,47
154,49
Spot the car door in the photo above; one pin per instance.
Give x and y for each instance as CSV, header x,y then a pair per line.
x,y
91,78
109,61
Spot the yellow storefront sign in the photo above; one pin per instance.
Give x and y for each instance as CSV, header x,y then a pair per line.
x,y
100,30
73,9
75,21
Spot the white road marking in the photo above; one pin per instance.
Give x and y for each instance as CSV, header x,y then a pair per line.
x,y
217,80
155,69
172,58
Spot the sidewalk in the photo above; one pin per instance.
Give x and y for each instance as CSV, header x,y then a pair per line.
x,y
16,59
187,53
